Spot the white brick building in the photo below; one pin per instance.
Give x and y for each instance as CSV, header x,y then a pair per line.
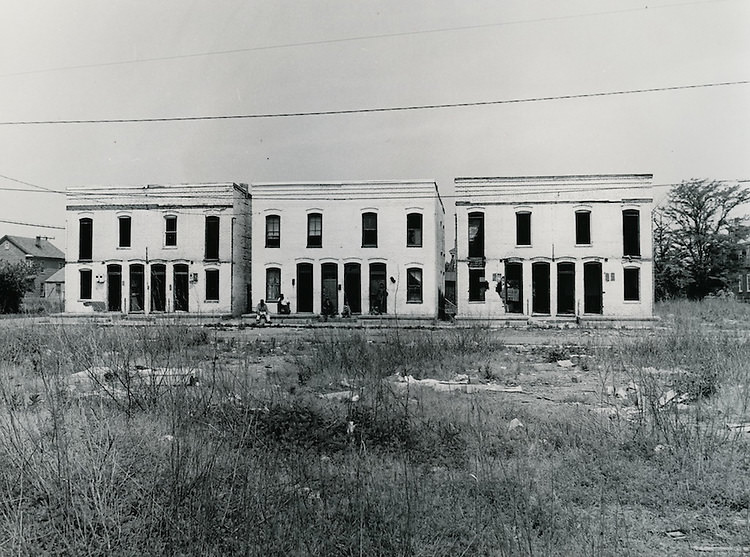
x,y
158,248
377,246
557,246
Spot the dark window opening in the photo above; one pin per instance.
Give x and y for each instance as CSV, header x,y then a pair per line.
x,y
314,230
125,229
514,287
170,231
631,233
414,230
212,285
273,231
212,238
583,227
85,276
273,284
369,230
477,285
631,278
414,286
523,229
476,234
85,239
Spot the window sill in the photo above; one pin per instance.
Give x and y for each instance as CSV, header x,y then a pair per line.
x,y
169,247
477,301
414,246
211,301
273,247
583,245
523,246
369,246
631,302
124,248
414,302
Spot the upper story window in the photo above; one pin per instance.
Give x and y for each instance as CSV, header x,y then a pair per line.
x,y
212,237
85,238
523,228
212,285
170,230
314,230
124,223
369,230
476,234
631,233
273,231
583,227
414,230
414,286
85,279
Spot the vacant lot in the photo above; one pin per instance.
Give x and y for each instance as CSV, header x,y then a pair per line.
x,y
460,441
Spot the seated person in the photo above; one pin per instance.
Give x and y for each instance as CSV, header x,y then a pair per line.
x,y
261,312
283,307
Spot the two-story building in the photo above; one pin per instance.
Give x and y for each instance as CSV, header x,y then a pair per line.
x,y
46,258
158,248
377,247
554,246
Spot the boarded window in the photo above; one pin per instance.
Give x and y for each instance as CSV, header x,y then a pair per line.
x,y
273,284
212,285
476,234
314,230
631,278
170,231
523,229
273,231
414,286
631,233
583,227
369,230
125,228
85,278
212,238
85,239
414,230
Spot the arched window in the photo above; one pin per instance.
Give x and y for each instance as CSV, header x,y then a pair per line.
x,y
273,231
369,230
414,230
85,238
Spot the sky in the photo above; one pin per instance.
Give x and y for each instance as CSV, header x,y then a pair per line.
x,y
138,59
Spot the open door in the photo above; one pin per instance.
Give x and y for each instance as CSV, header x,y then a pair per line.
x,y
181,288
304,287
329,280
540,290
566,288
592,287
114,287
353,286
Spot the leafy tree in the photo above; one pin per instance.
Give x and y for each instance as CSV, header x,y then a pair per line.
x,y
696,240
15,280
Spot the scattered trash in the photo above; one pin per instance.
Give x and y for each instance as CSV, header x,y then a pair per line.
x,y
515,424
349,396
574,379
565,363
461,378
671,396
168,438
350,428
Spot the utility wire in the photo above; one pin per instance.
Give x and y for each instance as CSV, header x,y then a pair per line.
x,y
373,110
32,224
357,38
42,188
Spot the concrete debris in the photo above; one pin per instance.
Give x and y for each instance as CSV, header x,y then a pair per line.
x,y
671,396
343,396
454,386
461,378
565,363
677,535
514,424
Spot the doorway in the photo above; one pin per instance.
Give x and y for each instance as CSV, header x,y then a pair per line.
x,y
353,286
181,288
566,288
304,287
378,289
114,287
592,287
329,280
137,288
540,291
514,287
158,287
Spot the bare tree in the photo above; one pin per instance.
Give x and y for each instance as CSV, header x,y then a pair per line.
x,y
696,238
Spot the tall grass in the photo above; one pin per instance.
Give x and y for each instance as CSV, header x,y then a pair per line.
x,y
253,461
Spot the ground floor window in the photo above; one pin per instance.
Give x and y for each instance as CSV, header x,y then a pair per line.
x,y
212,285
273,284
631,284
477,285
85,279
414,286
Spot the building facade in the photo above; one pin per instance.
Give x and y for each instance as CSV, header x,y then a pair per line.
x,y
159,249
377,247
46,258
554,246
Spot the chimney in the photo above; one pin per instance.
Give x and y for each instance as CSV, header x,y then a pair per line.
x,y
39,241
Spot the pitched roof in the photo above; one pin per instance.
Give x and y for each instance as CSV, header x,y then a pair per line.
x,y
57,276
34,247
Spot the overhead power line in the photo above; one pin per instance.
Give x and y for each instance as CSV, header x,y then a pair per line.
x,y
32,224
371,110
350,39
39,189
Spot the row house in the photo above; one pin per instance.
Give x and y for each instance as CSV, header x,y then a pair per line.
x,y
555,246
377,247
158,249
